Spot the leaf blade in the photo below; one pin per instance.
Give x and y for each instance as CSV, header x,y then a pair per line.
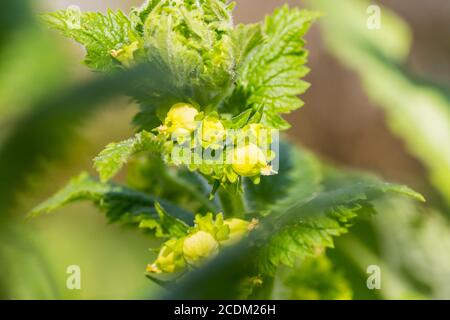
x,y
115,155
120,204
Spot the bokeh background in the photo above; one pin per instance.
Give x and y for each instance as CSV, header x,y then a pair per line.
x,y
345,120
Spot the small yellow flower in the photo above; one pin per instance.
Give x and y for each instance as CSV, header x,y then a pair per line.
x,y
199,246
213,133
169,259
248,160
238,229
126,54
181,116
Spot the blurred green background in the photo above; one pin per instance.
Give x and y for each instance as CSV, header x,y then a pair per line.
x,y
379,101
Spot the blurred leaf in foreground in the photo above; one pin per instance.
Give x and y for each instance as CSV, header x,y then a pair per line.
x,y
313,279
416,110
406,239
120,203
228,270
42,134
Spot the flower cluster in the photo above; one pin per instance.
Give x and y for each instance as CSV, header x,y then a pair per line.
x,y
205,143
202,242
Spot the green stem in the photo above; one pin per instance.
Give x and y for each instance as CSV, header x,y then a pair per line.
x,y
186,187
233,205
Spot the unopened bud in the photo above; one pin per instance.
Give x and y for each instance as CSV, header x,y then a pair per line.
x,y
199,246
126,54
169,259
238,229
248,160
213,133
181,116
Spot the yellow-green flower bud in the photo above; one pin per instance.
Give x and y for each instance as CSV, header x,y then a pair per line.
x,y
126,54
199,246
213,133
169,259
238,229
248,160
181,116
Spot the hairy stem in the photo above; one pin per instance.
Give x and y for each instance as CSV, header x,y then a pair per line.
x,y
186,187
233,205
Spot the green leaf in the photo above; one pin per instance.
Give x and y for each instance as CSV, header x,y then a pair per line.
x,y
190,42
150,174
120,203
49,127
314,278
310,226
115,155
332,212
416,110
190,45
299,176
414,240
166,226
98,33
146,118
271,78
138,15
240,120
246,38
405,239
410,243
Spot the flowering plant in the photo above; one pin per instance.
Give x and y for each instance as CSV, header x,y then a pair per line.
x,y
207,170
